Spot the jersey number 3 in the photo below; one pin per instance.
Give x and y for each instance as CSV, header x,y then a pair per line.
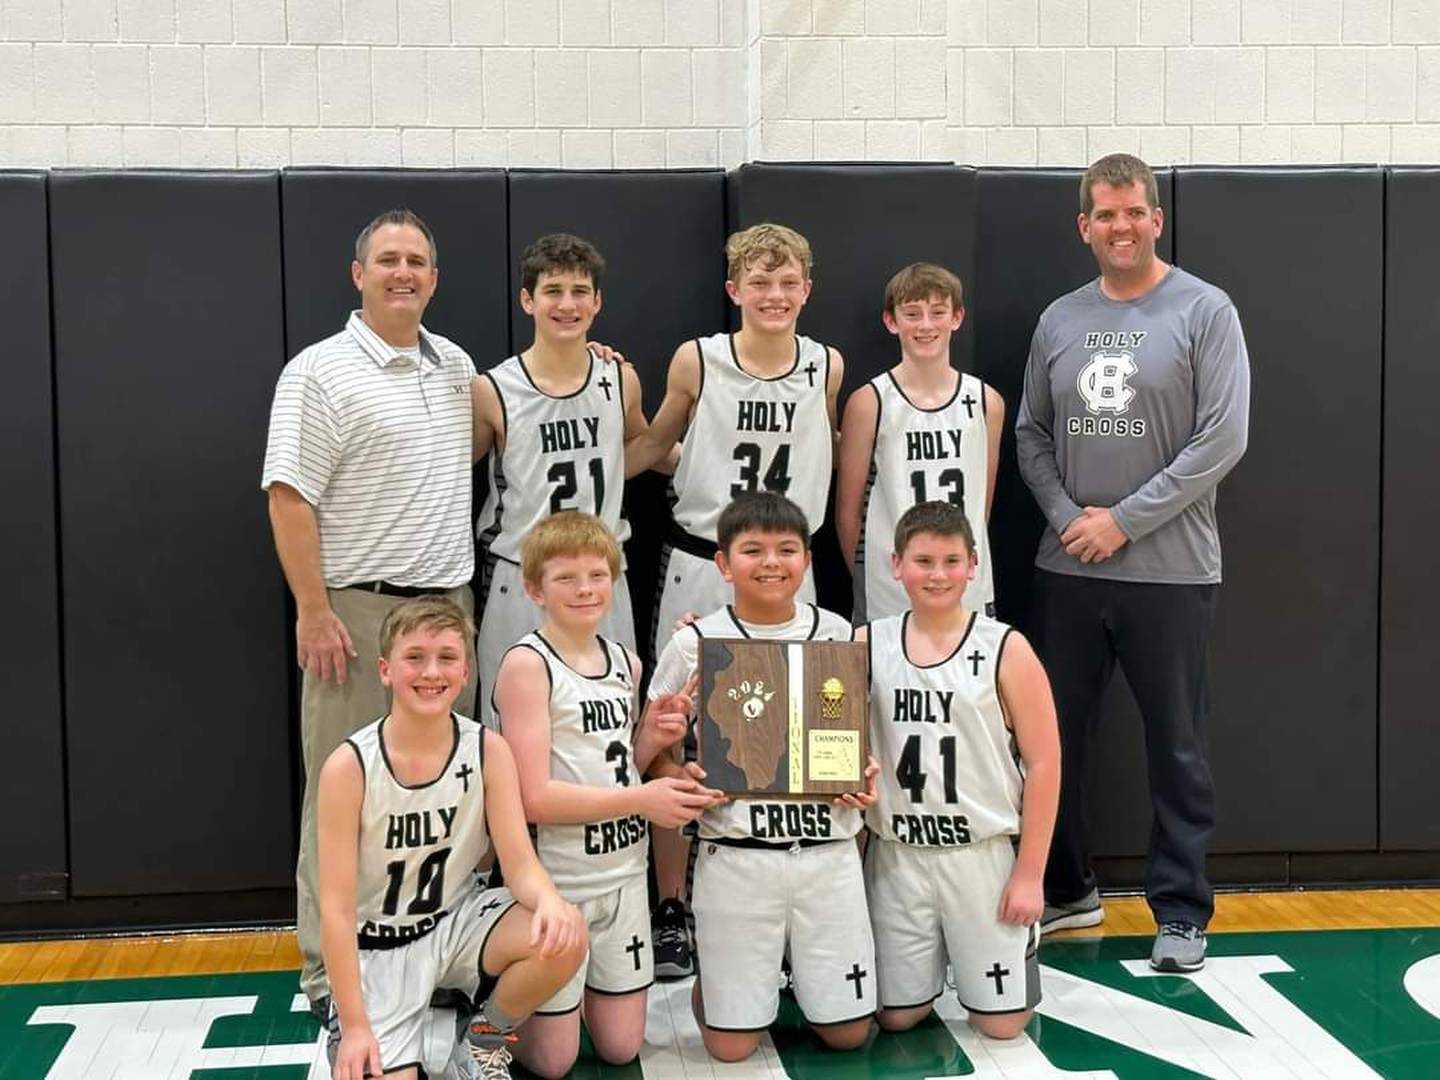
x,y
777,476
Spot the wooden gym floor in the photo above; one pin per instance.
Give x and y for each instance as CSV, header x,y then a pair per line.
x,y
1299,984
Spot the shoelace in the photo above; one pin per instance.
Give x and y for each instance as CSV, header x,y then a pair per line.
x,y
670,934
494,1061
1180,930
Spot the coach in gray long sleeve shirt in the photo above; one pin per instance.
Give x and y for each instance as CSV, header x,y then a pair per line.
x,y
1135,406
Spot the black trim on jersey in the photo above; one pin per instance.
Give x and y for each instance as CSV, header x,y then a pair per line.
x,y
485,985
744,1030
869,657
444,769
836,1023
589,374
814,624
959,382
904,652
692,545
618,993
549,676
666,550
700,359
794,367
999,697
753,844
491,532
928,1001
559,1012
358,757
375,943
604,648
740,626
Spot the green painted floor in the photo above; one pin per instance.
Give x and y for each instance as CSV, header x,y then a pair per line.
x,y
1303,1004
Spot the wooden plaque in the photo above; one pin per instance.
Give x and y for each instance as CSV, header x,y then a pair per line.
x,y
784,719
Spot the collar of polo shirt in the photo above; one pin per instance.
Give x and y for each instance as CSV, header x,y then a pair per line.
x,y
380,350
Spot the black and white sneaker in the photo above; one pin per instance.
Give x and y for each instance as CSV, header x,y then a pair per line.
x,y
1087,911
674,947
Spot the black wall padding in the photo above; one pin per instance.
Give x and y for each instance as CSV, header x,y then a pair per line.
x,y
1029,253
1410,589
168,334
32,799
662,234
1293,732
864,222
324,210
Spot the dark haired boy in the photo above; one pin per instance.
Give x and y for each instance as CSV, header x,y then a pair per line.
x,y
954,695
555,420
921,430
770,882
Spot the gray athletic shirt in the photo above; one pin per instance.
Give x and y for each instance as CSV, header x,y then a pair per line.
x,y
1142,406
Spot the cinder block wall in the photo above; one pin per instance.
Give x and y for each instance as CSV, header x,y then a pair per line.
x,y
629,83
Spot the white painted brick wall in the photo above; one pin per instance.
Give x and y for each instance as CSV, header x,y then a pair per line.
x,y
654,83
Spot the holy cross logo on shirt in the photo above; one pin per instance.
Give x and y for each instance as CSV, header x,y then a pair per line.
x,y
1103,382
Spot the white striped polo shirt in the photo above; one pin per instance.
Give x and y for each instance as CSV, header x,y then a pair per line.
x,y
380,445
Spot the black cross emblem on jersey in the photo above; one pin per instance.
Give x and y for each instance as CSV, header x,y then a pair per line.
x,y
969,403
463,774
634,949
490,905
810,373
857,976
975,658
605,385
998,973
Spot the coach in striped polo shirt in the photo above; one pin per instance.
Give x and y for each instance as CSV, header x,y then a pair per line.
x,y
368,473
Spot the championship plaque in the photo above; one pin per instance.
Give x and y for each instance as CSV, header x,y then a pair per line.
x,y
784,719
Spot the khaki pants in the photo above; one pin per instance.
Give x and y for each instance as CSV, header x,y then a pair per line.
x,y
329,713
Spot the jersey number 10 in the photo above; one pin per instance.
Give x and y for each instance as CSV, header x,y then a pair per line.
x,y
429,885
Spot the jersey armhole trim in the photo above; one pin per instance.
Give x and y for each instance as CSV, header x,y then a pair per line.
x,y
359,758
549,679
499,451
999,697
700,384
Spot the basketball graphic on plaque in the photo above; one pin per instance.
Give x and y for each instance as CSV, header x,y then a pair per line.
x,y
784,719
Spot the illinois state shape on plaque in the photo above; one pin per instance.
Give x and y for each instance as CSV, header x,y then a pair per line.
x,y
784,719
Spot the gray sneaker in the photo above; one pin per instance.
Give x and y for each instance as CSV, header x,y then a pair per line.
x,y
489,1048
1179,946
1087,911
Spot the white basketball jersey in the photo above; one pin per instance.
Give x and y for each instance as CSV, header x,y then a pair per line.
x,y
561,453
920,455
751,434
949,768
420,845
784,821
592,722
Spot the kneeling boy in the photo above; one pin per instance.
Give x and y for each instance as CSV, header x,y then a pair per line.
x,y
565,700
769,882
408,807
952,694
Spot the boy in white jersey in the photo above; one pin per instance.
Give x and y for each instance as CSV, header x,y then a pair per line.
x,y
954,697
771,878
565,701
408,807
921,430
760,405
555,420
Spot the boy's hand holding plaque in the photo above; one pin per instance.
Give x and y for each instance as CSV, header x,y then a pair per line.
x,y
784,719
